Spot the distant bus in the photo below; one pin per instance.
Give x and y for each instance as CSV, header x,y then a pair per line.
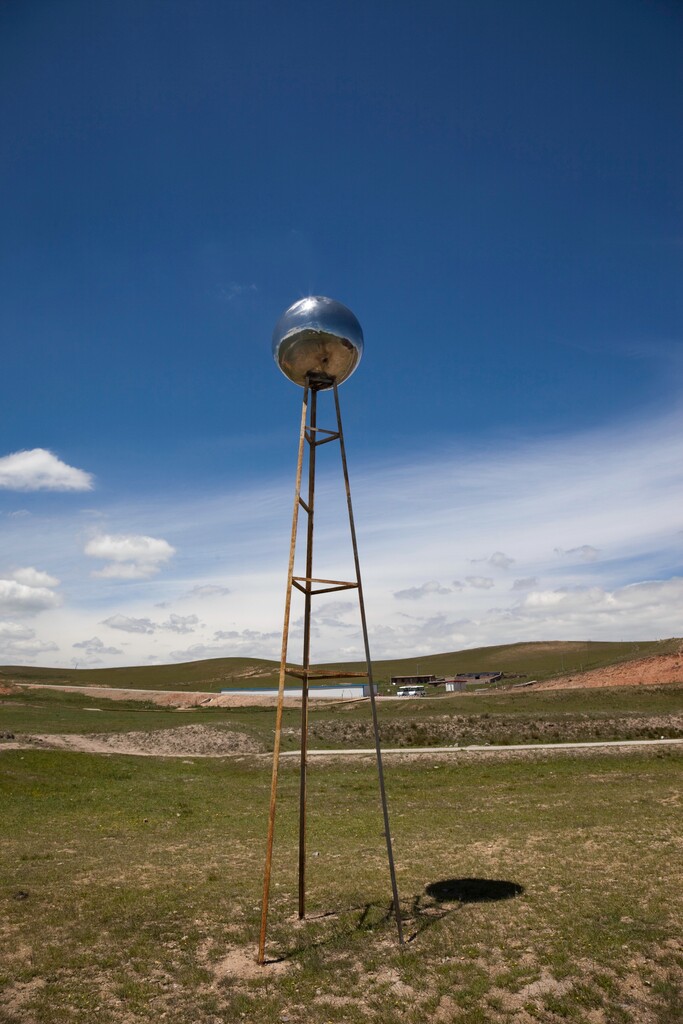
x,y
410,691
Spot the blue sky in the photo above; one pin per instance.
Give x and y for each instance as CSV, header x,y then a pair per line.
x,y
494,189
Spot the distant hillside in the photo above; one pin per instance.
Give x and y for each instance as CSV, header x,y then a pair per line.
x,y
211,675
540,661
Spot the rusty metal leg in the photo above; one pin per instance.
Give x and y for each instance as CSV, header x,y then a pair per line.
x,y
373,705
306,661
281,685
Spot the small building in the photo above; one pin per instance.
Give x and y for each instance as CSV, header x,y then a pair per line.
x,y
455,685
476,677
413,680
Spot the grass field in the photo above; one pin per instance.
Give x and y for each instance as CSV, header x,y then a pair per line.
x,y
131,889
514,717
528,660
534,888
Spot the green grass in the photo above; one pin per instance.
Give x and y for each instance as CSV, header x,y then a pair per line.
x,y
497,718
53,711
210,675
509,717
131,883
528,660
131,889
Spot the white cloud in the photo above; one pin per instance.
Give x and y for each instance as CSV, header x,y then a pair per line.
x,y
479,582
95,646
129,624
621,488
130,556
415,593
417,636
207,590
232,643
332,614
336,608
41,470
18,643
585,553
173,624
526,583
646,610
180,623
235,290
125,571
16,598
29,648
15,631
501,560
34,578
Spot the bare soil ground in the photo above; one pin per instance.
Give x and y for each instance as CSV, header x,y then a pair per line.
x,y
183,741
201,741
170,698
662,668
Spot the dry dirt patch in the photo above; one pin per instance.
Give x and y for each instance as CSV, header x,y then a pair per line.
x,y
661,668
170,698
183,741
239,964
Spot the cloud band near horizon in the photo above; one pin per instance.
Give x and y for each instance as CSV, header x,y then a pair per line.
x,y
581,537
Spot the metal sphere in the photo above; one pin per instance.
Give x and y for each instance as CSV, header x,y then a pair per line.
x,y
317,342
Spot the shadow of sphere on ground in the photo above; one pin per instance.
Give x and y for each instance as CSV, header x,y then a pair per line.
x,y
473,890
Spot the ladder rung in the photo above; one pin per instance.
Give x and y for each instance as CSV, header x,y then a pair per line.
x,y
314,579
331,590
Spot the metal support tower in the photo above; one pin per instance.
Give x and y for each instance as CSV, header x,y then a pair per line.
x,y
312,435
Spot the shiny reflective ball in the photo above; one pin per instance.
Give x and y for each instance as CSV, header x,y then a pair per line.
x,y
317,342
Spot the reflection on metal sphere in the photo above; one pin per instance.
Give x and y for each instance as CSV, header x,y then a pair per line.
x,y
317,341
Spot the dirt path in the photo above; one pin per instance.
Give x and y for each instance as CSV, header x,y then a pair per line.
x,y
478,748
216,741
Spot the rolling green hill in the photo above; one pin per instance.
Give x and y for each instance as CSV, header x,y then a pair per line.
x,y
540,660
